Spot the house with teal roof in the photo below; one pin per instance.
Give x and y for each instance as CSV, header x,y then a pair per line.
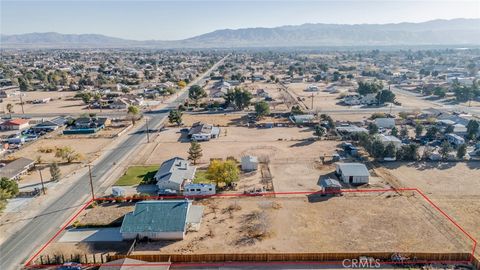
x,y
161,220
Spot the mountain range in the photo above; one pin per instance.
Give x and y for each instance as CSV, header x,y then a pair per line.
x,y
436,32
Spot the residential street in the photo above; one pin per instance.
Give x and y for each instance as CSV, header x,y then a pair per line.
x,y
23,244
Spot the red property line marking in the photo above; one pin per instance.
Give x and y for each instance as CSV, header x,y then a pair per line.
x,y
28,264
56,234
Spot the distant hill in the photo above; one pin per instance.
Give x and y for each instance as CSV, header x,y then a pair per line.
x,y
437,32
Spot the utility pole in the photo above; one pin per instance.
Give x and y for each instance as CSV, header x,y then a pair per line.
x,y
21,103
312,102
41,180
148,136
91,182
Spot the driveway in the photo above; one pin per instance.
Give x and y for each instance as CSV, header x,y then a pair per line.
x,y
92,235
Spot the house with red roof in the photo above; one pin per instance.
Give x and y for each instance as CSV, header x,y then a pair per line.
x,y
14,124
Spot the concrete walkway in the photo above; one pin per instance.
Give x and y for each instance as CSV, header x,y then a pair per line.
x,y
92,235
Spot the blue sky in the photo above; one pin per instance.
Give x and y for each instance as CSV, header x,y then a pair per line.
x,y
168,20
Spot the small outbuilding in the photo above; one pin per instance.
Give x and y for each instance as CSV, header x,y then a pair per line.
x,y
352,173
199,189
330,186
249,163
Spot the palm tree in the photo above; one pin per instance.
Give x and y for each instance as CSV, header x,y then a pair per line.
x,y
133,111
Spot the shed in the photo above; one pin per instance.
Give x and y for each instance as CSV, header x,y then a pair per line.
x,y
352,173
389,139
330,186
249,163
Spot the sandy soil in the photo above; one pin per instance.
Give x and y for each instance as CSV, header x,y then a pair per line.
x,y
62,102
385,223
291,152
454,187
89,149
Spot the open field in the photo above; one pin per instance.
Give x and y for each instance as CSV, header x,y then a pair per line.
x,y
454,187
62,102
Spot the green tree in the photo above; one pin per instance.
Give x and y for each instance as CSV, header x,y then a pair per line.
x,y
372,128
9,187
296,110
55,173
390,150
377,149
194,152
461,151
385,96
445,149
409,152
262,109
223,171
394,132
195,93
403,132
419,130
472,129
175,116
23,84
440,92
133,112
432,132
239,98
369,87
319,131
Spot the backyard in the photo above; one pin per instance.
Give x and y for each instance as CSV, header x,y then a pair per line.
x,y
136,175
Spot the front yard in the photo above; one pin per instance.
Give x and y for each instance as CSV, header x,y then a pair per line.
x,y
136,175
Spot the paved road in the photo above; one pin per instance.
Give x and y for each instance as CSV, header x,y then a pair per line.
x,y
20,246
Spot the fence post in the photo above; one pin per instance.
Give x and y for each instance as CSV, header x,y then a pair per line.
x,y
94,260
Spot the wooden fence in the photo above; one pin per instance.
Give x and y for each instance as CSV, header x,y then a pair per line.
x,y
254,257
292,257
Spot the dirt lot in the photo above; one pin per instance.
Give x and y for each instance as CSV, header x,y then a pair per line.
x,y
88,148
454,187
61,102
385,223
291,152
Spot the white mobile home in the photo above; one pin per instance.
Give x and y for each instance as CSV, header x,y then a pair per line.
x,y
454,139
199,189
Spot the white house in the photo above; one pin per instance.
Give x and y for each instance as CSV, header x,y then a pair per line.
x,y
203,132
388,139
312,88
352,173
249,163
384,122
174,174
